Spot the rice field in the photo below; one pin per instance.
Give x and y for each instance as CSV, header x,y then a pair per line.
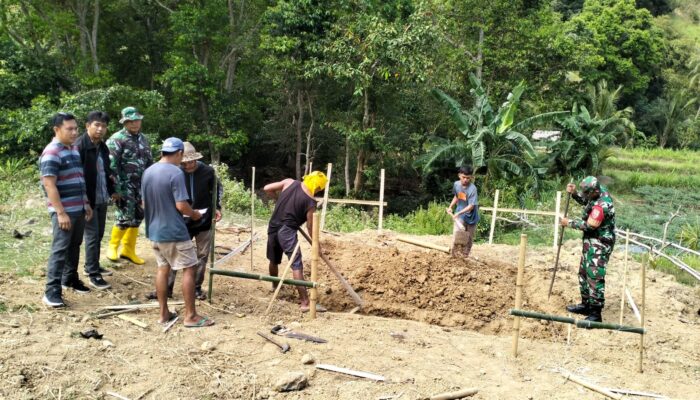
x,y
667,168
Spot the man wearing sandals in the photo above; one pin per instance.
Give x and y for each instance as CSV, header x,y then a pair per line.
x,y
165,201
295,205
200,180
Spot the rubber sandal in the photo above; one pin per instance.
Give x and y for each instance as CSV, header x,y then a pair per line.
x,y
202,323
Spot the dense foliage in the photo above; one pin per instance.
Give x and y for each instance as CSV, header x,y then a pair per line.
x,y
412,86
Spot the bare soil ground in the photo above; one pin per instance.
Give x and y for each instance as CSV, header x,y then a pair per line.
x,y
431,324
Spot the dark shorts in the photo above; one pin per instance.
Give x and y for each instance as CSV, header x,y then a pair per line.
x,y
283,241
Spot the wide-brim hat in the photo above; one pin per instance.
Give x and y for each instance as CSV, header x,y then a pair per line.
x,y
190,154
130,114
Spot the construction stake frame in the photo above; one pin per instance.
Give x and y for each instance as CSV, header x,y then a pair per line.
x,y
581,323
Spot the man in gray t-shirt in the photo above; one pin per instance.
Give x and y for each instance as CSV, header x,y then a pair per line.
x,y
165,202
466,199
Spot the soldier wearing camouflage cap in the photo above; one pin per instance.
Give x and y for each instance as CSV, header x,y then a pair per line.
x,y
130,155
598,226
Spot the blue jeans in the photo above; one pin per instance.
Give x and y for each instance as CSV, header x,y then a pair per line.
x,y
62,268
94,232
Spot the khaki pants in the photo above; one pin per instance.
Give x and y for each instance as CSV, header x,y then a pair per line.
x,y
462,238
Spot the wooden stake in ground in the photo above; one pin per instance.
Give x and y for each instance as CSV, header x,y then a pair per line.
x,y
519,291
381,202
284,274
313,295
460,394
643,310
493,216
557,209
624,277
325,195
252,216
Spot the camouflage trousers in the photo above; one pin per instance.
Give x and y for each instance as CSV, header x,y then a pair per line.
x,y
128,212
591,273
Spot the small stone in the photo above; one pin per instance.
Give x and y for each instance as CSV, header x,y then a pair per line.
x,y
307,359
132,297
482,372
25,331
292,381
85,319
207,346
107,344
240,315
527,378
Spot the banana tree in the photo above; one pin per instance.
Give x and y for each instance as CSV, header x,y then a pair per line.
x,y
490,139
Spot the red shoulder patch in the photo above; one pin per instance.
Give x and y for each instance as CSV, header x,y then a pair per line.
x,y
595,218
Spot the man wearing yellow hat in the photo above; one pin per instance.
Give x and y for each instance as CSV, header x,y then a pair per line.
x,y
295,205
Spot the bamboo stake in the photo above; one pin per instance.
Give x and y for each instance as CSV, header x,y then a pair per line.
x,y
624,277
581,323
329,170
109,314
591,386
132,320
493,216
420,243
315,246
557,209
284,273
381,202
266,278
212,244
252,216
455,395
139,306
518,290
643,310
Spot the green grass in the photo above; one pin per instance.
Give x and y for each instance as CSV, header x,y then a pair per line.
x,y
658,154
665,266
628,180
650,165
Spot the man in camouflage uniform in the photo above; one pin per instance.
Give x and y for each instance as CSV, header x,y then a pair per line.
x,y
598,226
129,155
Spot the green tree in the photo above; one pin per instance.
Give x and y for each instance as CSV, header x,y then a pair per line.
x,y
603,105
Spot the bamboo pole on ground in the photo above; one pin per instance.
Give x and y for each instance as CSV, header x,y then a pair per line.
x,y
643,310
581,323
252,216
325,195
284,273
381,202
591,386
518,290
493,216
624,277
420,243
557,210
315,246
266,278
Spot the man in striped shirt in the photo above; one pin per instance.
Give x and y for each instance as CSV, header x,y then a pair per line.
x,y
64,186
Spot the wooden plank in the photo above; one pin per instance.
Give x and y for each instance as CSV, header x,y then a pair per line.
x,y
519,211
381,202
132,320
353,201
140,306
420,243
460,394
347,371
494,211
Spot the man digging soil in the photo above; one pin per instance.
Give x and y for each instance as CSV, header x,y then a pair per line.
x,y
295,205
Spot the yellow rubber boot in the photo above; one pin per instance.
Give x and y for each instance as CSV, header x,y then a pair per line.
x,y
129,246
117,235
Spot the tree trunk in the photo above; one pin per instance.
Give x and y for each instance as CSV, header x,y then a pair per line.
x,y
480,54
80,9
93,37
204,107
347,165
361,153
299,124
309,136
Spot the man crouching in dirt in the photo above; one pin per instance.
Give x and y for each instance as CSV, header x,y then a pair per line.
x,y
598,226
465,219
165,202
295,205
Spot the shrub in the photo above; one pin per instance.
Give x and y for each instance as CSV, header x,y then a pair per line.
x,y
236,196
343,218
432,220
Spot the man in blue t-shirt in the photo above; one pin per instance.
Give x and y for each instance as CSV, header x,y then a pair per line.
x,y
466,199
165,202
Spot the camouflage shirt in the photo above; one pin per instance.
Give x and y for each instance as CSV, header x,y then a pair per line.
x,y
129,156
606,231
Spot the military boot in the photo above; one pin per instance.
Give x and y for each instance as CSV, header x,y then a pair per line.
x,y
594,315
582,309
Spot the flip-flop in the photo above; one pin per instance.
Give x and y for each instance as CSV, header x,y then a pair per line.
x,y
171,316
202,323
319,308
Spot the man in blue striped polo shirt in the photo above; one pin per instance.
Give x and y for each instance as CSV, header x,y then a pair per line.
x,y
64,186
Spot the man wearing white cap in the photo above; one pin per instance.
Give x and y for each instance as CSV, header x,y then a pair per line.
x,y
165,202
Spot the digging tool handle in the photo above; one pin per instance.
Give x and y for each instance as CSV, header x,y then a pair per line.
x,y
561,239
284,348
356,298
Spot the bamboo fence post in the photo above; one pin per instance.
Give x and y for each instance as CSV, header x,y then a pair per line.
x,y
518,290
624,277
284,273
643,310
212,245
325,195
557,210
381,202
493,216
315,247
252,216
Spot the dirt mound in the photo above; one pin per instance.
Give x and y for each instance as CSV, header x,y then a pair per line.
x,y
426,286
